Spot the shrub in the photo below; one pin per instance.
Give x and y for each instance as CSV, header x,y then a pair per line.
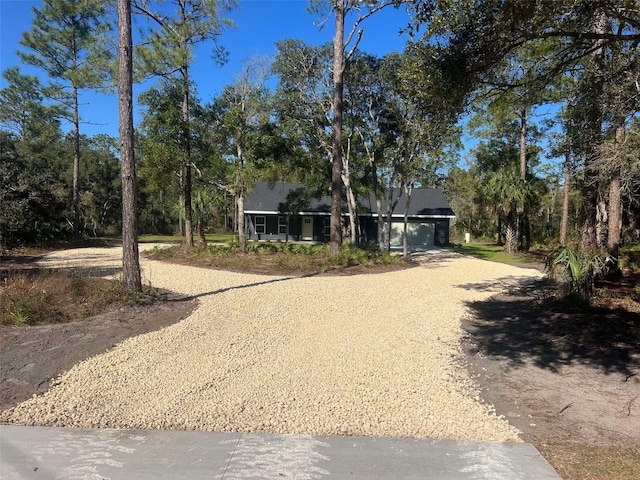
x,y
578,269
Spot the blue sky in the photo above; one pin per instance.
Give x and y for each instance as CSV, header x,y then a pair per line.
x,y
259,24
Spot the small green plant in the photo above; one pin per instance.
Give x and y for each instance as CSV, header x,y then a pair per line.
x,y
77,283
19,317
578,269
604,292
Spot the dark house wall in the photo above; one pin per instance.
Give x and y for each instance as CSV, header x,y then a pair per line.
x,y
369,229
442,233
271,228
368,226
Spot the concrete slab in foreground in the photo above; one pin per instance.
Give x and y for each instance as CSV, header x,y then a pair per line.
x,y
50,453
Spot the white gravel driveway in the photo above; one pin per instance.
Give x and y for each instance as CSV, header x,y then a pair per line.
x,y
373,355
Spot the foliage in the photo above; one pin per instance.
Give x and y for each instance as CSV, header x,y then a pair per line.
x,y
50,296
68,40
32,193
510,195
23,110
578,269
278,257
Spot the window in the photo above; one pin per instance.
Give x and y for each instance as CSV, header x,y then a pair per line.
x,y
327,227
282,225
261,224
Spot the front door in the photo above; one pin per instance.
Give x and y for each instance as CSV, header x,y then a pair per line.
x,y
307,228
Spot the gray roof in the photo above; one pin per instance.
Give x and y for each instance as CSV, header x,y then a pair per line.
x,y
425,202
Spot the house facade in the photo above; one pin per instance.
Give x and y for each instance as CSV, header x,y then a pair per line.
x,y
273,213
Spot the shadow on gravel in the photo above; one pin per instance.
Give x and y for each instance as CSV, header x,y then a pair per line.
x,y
248,285
551,334
512,283
435,257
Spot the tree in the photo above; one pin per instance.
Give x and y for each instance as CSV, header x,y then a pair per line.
x,y
168,52
22,105
297,201
241,112
463,191
344,46
68,40
130,256
303,106
595,42
33,189
510,195
101,186
368,93
160,145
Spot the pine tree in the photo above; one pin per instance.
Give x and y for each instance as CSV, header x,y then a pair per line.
x,y
168,52
68,40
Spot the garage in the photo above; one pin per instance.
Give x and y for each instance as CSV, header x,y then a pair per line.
x,y
419,234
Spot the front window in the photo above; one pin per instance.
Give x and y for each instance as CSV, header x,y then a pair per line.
x,y
261,224
282,225
327,227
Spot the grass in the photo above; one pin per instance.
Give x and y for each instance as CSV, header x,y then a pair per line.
x,y
491,252
35,297
593,462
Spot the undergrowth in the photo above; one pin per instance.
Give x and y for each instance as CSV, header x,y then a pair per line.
x,y
278,257
45,296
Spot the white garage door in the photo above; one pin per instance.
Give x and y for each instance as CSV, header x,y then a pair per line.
x,y
418,234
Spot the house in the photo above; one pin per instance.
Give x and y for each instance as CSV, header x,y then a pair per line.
x,y
281,211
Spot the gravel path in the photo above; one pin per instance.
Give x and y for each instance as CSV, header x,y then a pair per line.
x,y
373,355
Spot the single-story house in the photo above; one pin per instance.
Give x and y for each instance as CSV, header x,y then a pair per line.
x,y
267,218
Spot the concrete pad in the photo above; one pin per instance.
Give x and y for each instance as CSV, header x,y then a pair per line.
x,y
64,453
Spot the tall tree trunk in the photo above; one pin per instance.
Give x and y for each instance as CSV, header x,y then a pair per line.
x,y
351,208
391,206
589,240
524,230
615,200
130,255
376,193
408,189
564,222
353,218
381,236
354,231
523,143
188,213
242,239
76,165
337,108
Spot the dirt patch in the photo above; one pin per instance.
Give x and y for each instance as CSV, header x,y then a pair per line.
x,y
33,356
563,375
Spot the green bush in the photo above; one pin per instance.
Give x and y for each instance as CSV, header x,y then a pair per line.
x,y
578,269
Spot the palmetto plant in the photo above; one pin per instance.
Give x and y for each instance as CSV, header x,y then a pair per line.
x,y
579,270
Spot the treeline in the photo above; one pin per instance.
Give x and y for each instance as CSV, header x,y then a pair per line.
x,y
549,90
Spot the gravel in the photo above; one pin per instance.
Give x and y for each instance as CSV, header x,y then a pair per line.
x,y
372,355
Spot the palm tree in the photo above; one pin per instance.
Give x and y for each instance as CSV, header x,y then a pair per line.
x,y
509,194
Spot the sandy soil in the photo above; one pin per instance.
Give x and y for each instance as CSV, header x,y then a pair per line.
x,y
558,375
360,355
31,357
